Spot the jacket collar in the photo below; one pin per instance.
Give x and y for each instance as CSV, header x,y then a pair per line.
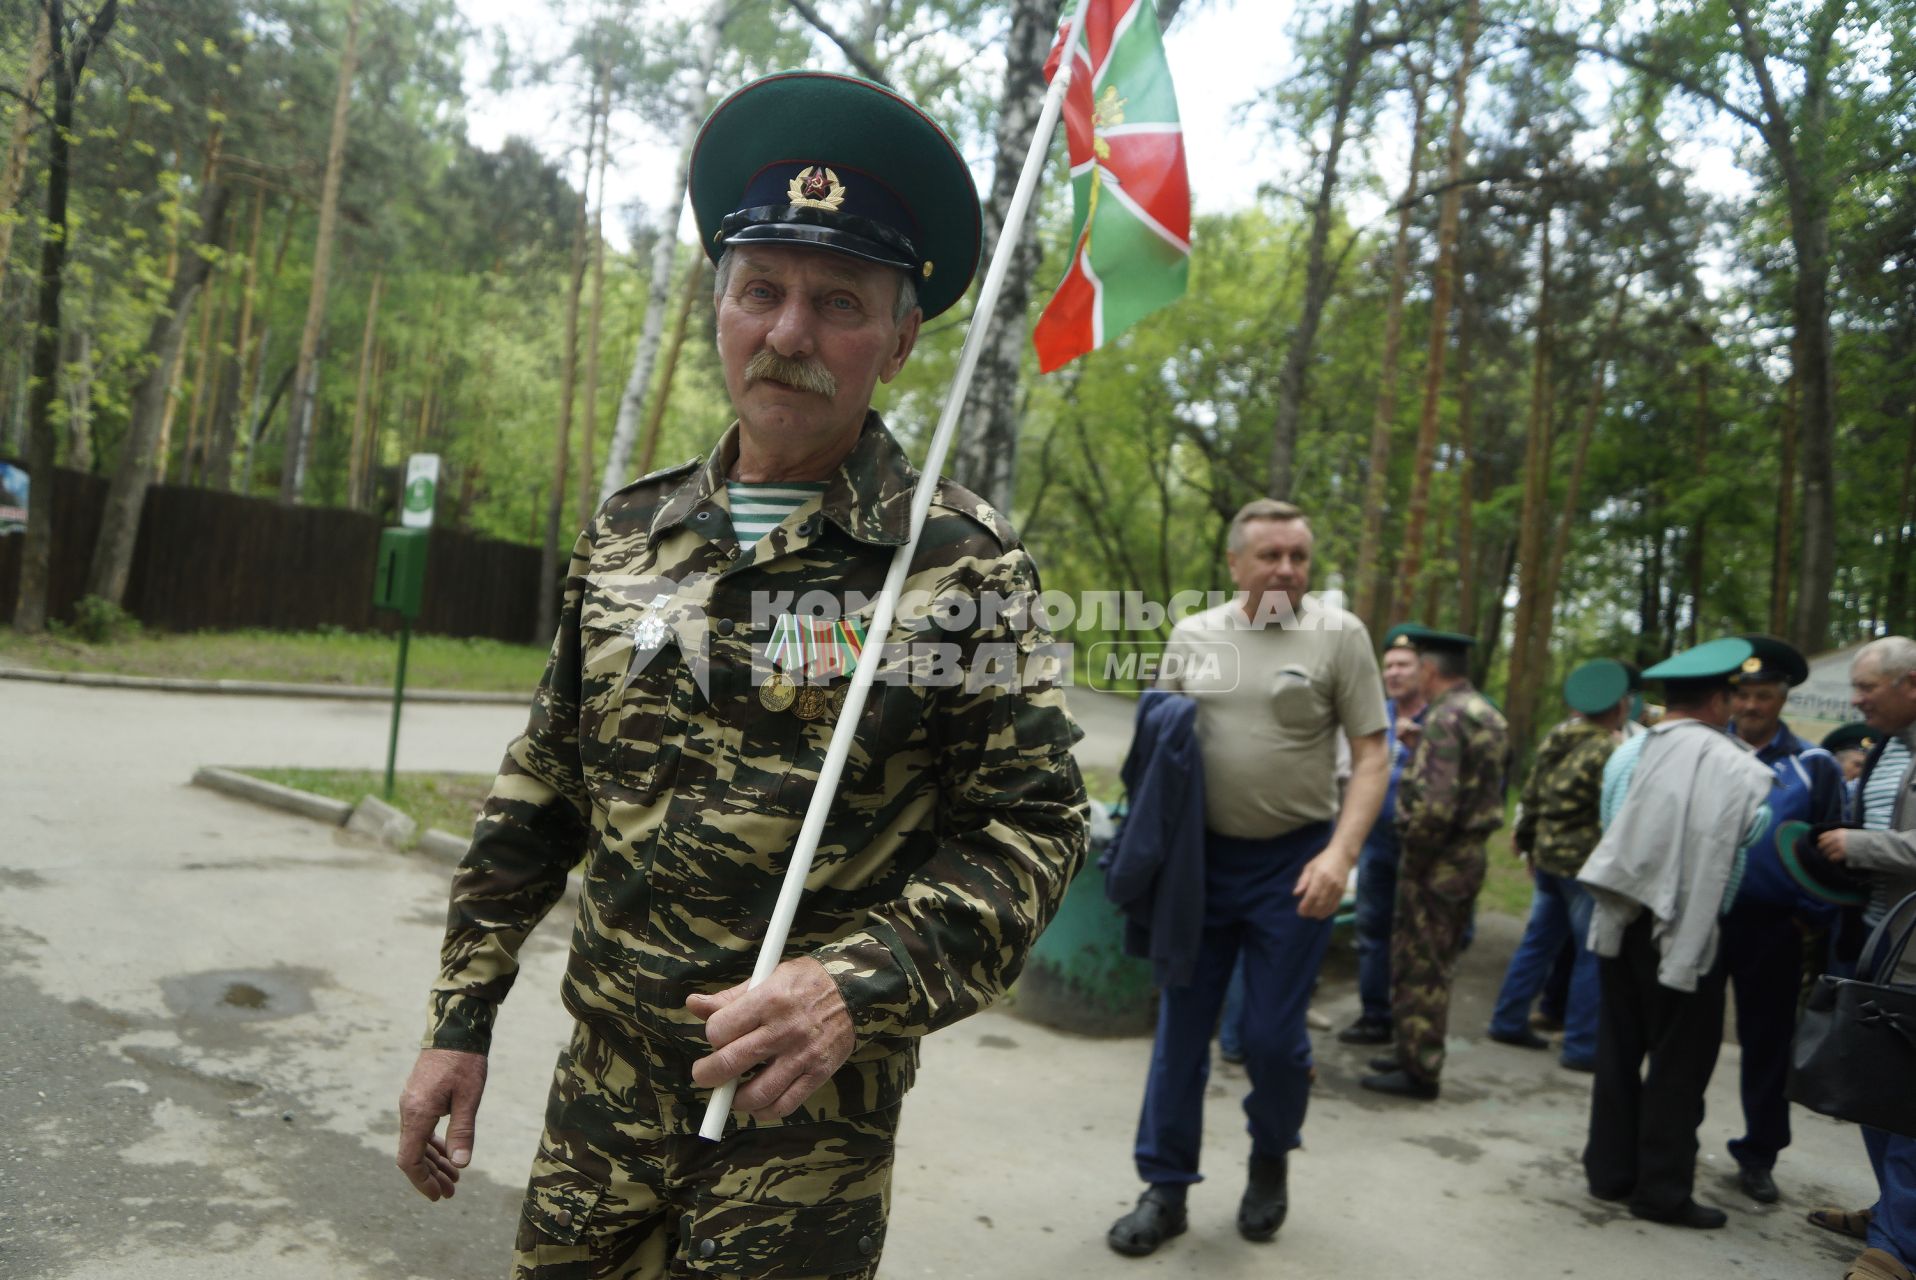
x,y
869,496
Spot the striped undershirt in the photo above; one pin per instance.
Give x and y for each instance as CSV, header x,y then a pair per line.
x,y
757,509
1879,796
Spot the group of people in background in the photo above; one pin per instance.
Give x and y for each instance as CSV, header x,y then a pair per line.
x,y
1678,855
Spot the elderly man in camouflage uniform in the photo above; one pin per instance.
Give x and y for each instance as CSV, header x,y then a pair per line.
x,y
1450,800
678,732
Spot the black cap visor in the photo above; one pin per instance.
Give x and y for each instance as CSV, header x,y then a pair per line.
x,y
792,224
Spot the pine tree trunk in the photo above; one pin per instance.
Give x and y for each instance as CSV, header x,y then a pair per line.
x,y
126,496
1410,562
1536,493
695,277
13,172
299,437
1292,381
618,457
219,460
987,460
68,68
355,471
1700,462
1467,609
206,369
1384,416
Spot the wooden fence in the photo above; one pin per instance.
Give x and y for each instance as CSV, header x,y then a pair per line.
x,y
207,560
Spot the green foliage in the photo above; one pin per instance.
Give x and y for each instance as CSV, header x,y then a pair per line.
x,y
97,621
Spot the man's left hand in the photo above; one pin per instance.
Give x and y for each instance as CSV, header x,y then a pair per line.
x,y
1834,844
1321,884
794,1027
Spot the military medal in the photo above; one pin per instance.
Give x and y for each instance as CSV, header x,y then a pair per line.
x,y
813,702
778,692
838,698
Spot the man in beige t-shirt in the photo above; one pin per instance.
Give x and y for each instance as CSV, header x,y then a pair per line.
x,y
1275,674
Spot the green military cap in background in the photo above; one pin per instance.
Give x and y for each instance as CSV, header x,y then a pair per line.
x,y
1715,658
1773,660
1853,736
1597,686
1425,639
1398,637
841,164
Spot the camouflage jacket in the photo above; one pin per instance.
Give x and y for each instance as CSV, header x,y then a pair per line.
x,y
1452,791
652,755
1560,825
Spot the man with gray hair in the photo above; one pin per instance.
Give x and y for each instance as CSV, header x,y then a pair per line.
x,y
1274,676
1883,848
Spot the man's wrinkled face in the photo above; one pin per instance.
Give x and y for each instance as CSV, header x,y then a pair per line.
x,y
1275,560
1759,708
805,336
1889,706
1401,678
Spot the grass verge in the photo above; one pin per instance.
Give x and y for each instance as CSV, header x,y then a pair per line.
x,y
449,801
304,657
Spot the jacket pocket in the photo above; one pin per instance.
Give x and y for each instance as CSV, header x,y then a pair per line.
x,y
627,691
561,1218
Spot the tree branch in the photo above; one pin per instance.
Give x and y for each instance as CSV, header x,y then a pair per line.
x,y
853,54
1623,57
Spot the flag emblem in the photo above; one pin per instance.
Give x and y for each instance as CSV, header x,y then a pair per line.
x,y
1130,195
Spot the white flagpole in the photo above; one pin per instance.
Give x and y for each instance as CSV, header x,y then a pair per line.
x,y
839,748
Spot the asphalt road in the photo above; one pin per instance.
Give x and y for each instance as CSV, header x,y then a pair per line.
x,y
208,1010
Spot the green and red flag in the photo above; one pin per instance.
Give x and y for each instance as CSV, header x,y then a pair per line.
x,y
1129,191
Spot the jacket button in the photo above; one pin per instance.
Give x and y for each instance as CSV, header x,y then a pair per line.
x,y
866,1244
563,1217
707,1247
726,626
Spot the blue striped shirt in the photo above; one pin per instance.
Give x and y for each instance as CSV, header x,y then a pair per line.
x,y
757,509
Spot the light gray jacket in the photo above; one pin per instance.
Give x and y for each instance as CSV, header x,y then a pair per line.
x,y
1693,801
1889,857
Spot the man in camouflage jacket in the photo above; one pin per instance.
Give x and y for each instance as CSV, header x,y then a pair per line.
x,y
675,743
1450,800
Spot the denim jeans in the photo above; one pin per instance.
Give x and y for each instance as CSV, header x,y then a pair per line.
x,y
1560,910
1376,901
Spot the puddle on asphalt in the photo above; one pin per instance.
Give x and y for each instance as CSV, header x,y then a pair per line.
x,y
240,995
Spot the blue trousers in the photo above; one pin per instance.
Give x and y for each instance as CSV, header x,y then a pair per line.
x,y
1376,902
1893,1228
1560,910
1249,909
1763,953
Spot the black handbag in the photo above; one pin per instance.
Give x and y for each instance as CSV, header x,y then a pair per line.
x,y
1854,1054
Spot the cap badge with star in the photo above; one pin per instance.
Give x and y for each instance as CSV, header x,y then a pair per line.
x,y
1773,661
831,162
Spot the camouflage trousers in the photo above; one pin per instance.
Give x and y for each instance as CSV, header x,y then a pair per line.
x,y
1435,894
613,1196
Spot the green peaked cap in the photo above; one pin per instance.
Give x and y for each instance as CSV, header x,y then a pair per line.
x,y
1722,657
837,163
1422,637
1597,686
1774,660
1851,736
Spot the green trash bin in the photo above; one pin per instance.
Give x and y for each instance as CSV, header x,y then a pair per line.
x,y
1078,978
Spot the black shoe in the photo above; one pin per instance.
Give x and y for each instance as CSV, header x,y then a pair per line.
x,y
1545,1022
1524,1039
1233,1056
1699,1217
1402,1084
1757,1184
1156,1219
1385,1062
1612,1197
1267,1199
1366,1031
1575,1064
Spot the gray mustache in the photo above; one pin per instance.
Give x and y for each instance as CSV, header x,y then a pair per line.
x,y
806,375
